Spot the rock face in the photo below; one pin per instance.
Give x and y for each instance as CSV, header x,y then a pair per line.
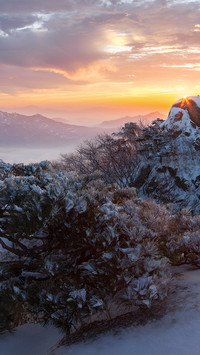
x,y
191,104
169,169
184,115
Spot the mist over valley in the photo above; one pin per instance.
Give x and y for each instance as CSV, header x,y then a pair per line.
x,y
34,138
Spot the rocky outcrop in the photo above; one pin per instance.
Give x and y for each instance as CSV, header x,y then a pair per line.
x,y
184,116
192,105
170,154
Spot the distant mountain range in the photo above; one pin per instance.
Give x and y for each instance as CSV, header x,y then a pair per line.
x,y
20,130
143,118
37,130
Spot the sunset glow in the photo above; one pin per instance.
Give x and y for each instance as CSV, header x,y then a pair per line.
x,y
95,59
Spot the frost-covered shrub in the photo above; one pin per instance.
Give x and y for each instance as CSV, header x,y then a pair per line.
x,y
4,169
30,169
108,256
26,200
76,246
178,235
185,248
79,245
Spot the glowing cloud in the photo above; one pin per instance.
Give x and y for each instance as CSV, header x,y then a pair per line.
x,y
98,53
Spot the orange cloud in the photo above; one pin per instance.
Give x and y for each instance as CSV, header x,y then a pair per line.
x,y
92,73
90,54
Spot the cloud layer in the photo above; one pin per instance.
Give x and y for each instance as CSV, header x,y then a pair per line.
x,y
123,47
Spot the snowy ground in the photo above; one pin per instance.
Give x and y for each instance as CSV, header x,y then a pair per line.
x,y
177,333
29,339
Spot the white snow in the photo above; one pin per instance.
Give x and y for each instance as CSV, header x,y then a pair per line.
x,y
29,339
184,124
175,334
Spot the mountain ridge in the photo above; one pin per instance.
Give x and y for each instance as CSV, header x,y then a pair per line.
x,y
19,130
26,130
148,118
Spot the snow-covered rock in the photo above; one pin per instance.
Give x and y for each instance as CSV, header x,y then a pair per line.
x,y
169,169
184,116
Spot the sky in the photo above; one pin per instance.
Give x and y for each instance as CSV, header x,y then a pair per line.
x,y
91,60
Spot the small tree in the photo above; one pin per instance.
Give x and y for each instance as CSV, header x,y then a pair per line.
x,y
115,156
